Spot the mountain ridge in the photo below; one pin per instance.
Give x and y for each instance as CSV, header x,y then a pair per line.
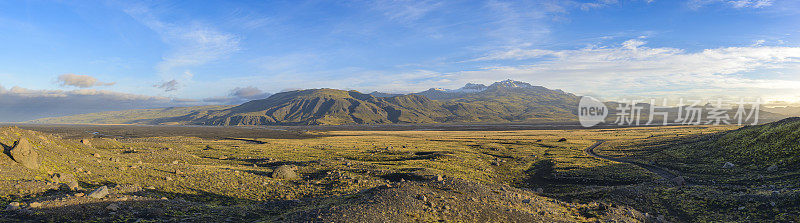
x,y
505,101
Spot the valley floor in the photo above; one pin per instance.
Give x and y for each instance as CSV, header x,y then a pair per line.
x,y
213,174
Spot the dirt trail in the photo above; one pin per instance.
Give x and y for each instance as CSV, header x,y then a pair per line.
x,y
660,171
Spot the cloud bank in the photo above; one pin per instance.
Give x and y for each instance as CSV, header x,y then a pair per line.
x,y
22,104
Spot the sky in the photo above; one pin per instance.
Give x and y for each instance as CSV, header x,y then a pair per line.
x,y
69,57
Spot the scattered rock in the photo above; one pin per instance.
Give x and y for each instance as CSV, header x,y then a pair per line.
x,y
562,140
168,178
23,153
73,185
439,177
112,207
422,198
679,180
175,162
728,165
35,205
223,157
86,142
96,155
285,172
99,193
62,177
772,168
78,194
13,206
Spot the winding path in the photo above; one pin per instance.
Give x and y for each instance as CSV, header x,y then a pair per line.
x,y
660,171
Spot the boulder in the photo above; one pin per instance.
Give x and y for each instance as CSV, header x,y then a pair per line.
x,y
285,172
13,206
112,207
62,177
23,153
73,185
99,193
772,168
679,180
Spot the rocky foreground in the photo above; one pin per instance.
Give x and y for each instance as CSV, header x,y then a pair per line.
x,y
178,179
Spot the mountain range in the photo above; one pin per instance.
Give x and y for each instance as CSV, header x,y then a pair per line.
x,y
501,102
504,101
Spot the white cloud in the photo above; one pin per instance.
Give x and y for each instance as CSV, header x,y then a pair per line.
x,y
81,81
759,42
632,68
632,44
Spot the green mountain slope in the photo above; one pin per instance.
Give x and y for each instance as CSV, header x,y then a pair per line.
x,y
325,107
776,143
506,101
514,101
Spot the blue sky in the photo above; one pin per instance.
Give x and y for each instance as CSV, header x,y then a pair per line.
x,y
194,52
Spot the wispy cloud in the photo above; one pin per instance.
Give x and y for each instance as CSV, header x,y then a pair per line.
x,y
520,23
697,4
193,43
81,81
406,11
597,4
